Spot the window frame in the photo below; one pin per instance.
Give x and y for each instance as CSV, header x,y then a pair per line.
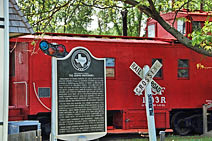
x,y
184,23
194,25
49,90
154,28
161,69
110,67
183,68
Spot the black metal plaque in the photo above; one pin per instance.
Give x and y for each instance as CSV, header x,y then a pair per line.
x,y
80,93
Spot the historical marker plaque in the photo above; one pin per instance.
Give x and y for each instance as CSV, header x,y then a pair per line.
x,y
81,97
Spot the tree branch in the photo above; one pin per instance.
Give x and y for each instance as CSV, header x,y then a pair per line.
x,y
141,7
54,11
178,11
99,7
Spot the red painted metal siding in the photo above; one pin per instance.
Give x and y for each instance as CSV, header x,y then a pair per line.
x,y
40,77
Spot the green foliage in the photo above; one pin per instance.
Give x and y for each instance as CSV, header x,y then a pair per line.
x,y
57,15
65,16
192,5
203,37
109,22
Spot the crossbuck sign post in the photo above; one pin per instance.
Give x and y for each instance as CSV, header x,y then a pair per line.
x,y
145,84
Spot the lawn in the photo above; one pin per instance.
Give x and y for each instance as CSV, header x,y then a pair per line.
x,y
175,138
188,138
167,138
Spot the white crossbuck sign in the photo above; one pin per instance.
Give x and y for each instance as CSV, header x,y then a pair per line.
x,y
147,78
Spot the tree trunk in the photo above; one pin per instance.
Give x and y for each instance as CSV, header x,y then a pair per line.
x,y
139,24
124,22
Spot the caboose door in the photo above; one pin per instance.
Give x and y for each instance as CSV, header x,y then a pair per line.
x,y
19,75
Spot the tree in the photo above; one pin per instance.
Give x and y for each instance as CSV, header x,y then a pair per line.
x,y
75,16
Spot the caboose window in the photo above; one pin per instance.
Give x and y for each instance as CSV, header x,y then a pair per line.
x,y
43,92
196,25
181,26
183,68
151,30
160,72
110,67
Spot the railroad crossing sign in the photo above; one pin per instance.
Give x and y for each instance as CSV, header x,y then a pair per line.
x,y
155,86
147,78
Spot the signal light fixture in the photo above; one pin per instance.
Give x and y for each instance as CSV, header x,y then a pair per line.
x,y
53,49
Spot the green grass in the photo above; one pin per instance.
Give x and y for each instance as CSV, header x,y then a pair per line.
x,y
175,138
188,138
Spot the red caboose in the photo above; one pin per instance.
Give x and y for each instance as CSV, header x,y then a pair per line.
x,y
185,78
184,21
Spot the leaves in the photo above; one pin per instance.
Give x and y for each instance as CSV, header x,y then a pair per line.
x,y
77,16
203,37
